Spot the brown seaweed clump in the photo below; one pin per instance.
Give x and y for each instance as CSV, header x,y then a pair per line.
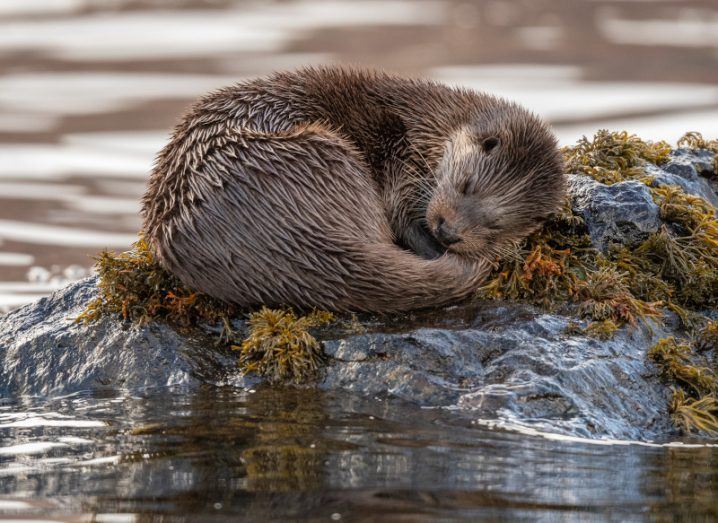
x,y
133,285
280,347
690,414
694,406
675,359
612,157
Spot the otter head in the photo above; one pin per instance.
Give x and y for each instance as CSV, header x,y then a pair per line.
x,y
498,180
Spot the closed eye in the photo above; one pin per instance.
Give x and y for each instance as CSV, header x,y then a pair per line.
x,y
468,186
492,225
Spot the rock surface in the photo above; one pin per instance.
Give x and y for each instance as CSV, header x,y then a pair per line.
x,y
690,170
487,361
620,213
493,361
43,351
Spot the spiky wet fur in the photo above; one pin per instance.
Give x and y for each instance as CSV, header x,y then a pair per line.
x,y
311,188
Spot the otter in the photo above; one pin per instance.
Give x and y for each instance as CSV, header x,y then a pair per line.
x,y
347,190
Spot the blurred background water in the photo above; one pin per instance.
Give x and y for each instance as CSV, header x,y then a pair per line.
x,y
89,89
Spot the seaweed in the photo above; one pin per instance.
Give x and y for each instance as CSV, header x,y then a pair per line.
x,y
674,358
695,140
135,286
280,347
546,267
690,254
612,157
690,414
694,406
604,295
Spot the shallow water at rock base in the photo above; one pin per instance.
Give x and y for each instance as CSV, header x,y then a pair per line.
x,y
223,453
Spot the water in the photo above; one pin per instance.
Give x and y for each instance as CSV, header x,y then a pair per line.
x,y
276,454
89,90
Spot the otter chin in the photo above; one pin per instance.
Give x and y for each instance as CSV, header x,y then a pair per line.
x,y
348,189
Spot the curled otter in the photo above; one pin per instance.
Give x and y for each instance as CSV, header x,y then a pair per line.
x,y
347,190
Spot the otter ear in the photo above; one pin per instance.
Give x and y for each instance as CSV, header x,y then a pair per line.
x,y
490,143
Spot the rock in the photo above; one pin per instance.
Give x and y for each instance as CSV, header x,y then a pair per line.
x,y
516,364
44,351
702,160
625,212
689,169
504,362
620,213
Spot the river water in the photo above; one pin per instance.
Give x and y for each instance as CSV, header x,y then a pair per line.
x,y
286,454
89,90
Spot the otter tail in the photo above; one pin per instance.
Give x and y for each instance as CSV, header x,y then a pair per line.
x,y
288,219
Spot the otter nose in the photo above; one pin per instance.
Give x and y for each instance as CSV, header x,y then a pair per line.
x,y
445,234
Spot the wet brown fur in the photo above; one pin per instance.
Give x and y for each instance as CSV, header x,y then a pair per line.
x,y
318,188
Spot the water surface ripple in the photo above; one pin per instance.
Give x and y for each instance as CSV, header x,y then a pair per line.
x,y
274,454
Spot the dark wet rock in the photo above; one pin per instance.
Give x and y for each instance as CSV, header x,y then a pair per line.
x,y
625,212
620,213
523,369
691,170
491,361
43,351
702,160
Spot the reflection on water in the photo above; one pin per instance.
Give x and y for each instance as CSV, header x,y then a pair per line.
x,y
277,454
90,88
